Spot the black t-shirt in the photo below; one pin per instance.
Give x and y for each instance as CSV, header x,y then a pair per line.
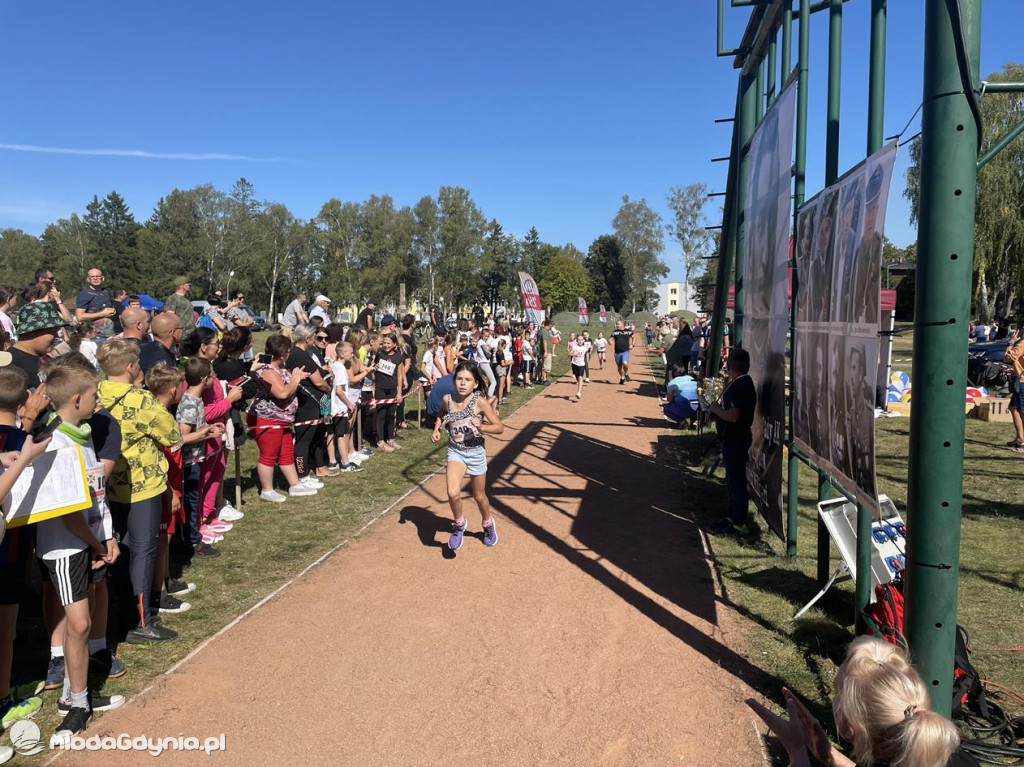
x,y
106,435
363,320
27,362
388,370
153,354
414,355
118,308
622,339
740,393
309,396
233,369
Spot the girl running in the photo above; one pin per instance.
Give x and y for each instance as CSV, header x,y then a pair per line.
x,y
468,416
578,357
601,344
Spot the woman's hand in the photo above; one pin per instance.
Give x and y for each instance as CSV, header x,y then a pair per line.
x,y
435,436
234,393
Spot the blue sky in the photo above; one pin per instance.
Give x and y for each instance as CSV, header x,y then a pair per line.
x,y
548,112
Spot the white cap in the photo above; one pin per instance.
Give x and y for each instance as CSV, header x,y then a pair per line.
x,y
322,297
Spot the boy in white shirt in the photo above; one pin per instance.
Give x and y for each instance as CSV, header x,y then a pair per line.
x,y
72,546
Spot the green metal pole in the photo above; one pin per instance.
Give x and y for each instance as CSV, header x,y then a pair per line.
x,y
835,61
876,116
721,32
1001,144
772,67
945,248
799,192
726,246
787,41
876,77
749,114
759,106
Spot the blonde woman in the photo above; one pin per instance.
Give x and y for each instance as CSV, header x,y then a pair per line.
x,y
881,706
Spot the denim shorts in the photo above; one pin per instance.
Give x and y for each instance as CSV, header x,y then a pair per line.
x,y
1017,396
474,459
621,357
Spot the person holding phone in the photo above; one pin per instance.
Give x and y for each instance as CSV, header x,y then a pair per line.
x,y
271,416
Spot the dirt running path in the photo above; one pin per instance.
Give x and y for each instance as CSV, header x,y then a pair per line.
x,y
591,635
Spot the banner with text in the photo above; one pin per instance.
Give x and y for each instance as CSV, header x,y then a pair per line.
x,y
766,215
839,264
531,299
584,315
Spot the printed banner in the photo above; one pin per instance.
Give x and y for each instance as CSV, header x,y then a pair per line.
x,y
531,299
604,314
766,213
838,305
584,315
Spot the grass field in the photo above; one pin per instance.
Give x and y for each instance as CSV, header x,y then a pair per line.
x,y
270,546
761,583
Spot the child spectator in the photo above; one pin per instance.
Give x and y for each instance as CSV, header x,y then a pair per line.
x,y
16,452
167,384
503,355
84,341
271,415
357,373
106,440
389,382
191,417
68,546
139,478
339,439
204,344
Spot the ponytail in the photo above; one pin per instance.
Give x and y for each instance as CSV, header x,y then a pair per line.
x,y
881,704
927,738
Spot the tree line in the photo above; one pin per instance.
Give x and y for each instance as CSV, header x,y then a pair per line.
x,y
443,249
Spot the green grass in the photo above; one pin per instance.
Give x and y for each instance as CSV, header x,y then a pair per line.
x,y
761,583
269,547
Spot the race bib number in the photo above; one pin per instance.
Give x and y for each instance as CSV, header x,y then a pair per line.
x,y
387,367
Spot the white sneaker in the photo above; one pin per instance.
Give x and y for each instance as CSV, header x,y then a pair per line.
x,y
356,457
273,496
6,753
586,380
301,489
229,514
310,481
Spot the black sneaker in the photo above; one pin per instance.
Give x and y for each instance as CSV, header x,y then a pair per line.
x,y
171,604
54,674
206,551
150,635
97,703
180,587
106,663
622,381
75,720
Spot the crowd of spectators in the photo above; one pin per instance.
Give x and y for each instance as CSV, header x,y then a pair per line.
x,y
155,401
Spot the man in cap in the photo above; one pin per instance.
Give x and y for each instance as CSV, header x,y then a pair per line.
x,y
365,318
39,327
321,306
867,277
180,305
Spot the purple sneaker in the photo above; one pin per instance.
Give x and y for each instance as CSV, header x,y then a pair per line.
x,y
455,539
490,534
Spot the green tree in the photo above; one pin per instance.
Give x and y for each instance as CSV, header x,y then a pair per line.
x,y
531,259
607,274
173,237
687,226
113,233
67,249
20,255
426,241
337,232
641,236
999,215
565,279
461,239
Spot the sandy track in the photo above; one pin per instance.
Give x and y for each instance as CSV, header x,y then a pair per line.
x,y
591,635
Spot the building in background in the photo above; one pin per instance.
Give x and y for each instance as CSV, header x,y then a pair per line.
x,y
673,296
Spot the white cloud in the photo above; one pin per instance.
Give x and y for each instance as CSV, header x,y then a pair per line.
x,y
201,156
